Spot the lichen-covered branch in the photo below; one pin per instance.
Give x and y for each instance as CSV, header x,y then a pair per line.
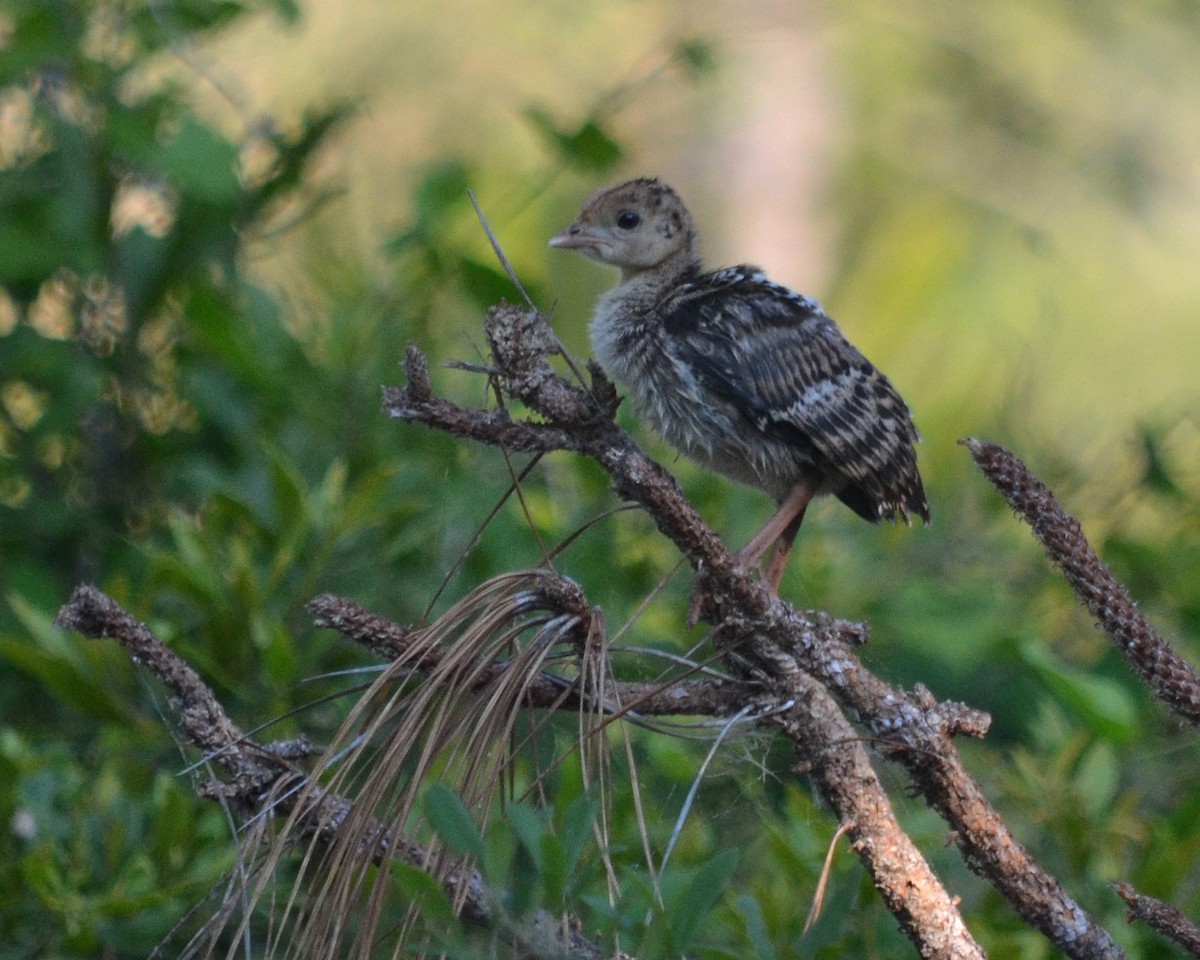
x,y
1168,676
758,633
1164,918
261,780
201,716
916,731
800,667
828,745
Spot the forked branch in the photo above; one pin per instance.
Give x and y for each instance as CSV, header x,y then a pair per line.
x,y
766,639
799,669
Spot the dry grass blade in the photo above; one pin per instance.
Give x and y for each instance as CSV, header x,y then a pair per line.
x,y
814,912
449,719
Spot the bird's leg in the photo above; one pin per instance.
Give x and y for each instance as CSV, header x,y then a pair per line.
x,y
781,529
783,549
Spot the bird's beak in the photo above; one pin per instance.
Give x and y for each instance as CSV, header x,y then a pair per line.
x,y
575,237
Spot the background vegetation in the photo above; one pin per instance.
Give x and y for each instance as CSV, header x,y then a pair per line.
x,y
220,222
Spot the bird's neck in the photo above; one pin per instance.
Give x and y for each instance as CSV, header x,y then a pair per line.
x,y
625,335
675,269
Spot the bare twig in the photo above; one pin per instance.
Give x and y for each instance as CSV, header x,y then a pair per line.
x,y
1168,676
262,781
516,281
1164,918
499,251
764,634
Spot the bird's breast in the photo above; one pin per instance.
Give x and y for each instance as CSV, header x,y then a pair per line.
x,y
634,348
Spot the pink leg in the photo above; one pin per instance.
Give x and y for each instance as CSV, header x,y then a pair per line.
x,y
780,530
784,524
783,549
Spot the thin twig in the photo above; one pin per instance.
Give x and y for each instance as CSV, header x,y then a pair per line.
x,y
499,251
1164,918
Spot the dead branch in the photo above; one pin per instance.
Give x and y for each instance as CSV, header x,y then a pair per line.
x,y
204,721
1164,918
799,669
829,747
261,781
765,637
1167,675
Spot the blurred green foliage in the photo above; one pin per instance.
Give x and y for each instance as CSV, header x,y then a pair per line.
x,y
209,449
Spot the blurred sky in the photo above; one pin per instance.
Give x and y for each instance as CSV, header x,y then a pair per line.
x,y
1000,203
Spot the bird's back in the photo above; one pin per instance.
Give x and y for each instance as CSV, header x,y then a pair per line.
x,y
755,381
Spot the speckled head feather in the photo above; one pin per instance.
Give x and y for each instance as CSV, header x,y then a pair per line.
x,y
742,375
638,225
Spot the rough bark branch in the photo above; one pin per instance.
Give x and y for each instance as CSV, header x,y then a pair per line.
x,y
766,638
1167,675
1164,918
262,780
800,666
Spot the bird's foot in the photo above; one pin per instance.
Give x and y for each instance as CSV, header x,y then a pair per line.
x,y
702,605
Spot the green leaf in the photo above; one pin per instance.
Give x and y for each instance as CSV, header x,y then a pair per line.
x,y
69,684
555,870
196,16
698,57
756,927
201,164
420,889
453,822
1097,778
1155,473
485,285
40,34
576,831
525,870
588,148
288,10
529,830
699,896
1105,705
439,192
442,187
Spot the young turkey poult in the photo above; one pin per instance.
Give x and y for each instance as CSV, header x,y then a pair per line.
x,y
742,375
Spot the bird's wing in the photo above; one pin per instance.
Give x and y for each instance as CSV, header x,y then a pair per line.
x,y
784,363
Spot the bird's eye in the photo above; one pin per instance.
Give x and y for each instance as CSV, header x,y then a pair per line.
x,y
627,220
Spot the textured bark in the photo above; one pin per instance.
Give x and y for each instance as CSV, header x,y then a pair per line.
x,y
1167,675
1161,917
798,670
764,638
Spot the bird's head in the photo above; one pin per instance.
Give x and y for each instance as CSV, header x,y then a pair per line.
x,y
639,225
